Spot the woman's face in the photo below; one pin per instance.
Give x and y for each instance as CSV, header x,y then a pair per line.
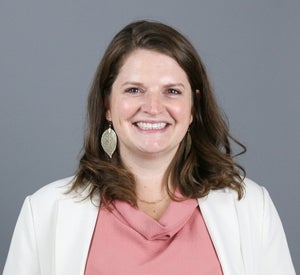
x,y
150,104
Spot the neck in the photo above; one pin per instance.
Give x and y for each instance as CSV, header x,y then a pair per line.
x,y
150,176
149,172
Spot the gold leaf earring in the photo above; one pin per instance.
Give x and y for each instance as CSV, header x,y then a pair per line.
x,y
109,141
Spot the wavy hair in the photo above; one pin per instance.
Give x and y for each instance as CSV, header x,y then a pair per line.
x,y
208,165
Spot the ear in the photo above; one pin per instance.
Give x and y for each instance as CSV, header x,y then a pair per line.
x,y
191,119
108,115
107,108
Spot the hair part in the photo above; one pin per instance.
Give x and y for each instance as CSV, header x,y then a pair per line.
x,y
209,164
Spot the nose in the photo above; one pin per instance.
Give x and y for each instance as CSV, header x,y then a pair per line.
x,y
153,103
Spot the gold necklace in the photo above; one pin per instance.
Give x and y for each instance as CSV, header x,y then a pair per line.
x,y
152,202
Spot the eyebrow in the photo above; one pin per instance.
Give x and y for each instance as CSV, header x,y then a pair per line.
x,y
168,85
132,83
174,85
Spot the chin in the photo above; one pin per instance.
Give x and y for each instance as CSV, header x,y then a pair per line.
x,y
155,151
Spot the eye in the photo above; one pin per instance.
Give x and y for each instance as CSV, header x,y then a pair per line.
x,y
174,92
133,90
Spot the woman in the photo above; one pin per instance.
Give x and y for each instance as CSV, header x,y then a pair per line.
x,y
158,164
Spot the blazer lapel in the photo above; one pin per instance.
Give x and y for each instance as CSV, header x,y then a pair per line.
x,y
75,225
219,213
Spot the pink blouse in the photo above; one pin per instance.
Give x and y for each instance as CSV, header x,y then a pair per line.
x,y
127,241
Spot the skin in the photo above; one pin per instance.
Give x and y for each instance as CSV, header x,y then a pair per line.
x,y
150,107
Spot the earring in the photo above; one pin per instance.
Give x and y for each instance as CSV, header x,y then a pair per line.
x,y
109,141
188,144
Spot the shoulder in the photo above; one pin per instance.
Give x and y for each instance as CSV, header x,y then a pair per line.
x,y
256,206
49,195
253,191
53,191
252,203
255,197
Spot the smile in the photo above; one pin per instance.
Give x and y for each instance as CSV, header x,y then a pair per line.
x,y
151,126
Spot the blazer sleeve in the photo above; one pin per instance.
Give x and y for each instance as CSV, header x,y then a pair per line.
x,y
275,255
23,255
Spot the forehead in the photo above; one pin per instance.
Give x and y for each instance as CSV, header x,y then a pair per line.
x,y
146,54
149,63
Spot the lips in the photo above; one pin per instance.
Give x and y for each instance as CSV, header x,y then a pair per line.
x,y
151,125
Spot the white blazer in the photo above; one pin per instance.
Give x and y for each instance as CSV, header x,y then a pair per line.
x,y
54,231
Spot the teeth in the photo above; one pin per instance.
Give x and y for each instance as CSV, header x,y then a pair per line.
x,y
151,126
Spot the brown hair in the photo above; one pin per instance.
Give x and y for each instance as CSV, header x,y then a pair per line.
x,y
208,165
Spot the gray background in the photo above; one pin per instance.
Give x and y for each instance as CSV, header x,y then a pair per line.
x,y
49,51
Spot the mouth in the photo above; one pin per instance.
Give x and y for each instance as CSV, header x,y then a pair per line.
x,y
151,125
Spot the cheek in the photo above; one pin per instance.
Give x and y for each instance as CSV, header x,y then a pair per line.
x,y
122,108
182,110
